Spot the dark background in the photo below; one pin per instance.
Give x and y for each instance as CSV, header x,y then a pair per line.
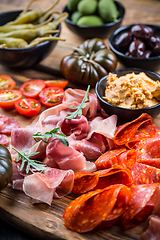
x,y
8,232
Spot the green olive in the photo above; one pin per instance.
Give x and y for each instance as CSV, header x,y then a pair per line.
x,y
87,7
75,16
90,20
72,5
107,10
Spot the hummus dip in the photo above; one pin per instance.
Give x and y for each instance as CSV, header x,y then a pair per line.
x,y
132,91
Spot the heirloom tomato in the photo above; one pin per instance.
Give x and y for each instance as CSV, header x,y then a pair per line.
x,y
89,62
51,96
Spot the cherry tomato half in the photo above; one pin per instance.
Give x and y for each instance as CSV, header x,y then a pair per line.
x,y
32,88
6,82
9,97
56,83
51,96
28,107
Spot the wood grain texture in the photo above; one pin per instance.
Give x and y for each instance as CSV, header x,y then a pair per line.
x,y
42,221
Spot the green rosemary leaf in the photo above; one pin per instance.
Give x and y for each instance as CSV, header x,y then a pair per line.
x,y
78,108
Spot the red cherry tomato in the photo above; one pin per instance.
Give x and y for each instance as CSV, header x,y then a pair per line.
x,y
28,107
51,96
6,82
9,97
56,83
32,88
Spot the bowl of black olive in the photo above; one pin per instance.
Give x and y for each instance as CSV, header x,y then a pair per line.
x,y
137,45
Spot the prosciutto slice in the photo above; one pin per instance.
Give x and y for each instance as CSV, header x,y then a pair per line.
x,y
51,183
79,126
22,140
66,157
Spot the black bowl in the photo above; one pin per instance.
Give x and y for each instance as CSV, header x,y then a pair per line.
x,y
103,31
152,63
125,115
24,57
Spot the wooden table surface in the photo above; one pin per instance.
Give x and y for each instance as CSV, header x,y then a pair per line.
x,y
137,11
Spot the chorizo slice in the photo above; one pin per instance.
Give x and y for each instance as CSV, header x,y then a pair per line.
x,y
89,210
141,205
85,182
144,174
109,158
122,156
132,132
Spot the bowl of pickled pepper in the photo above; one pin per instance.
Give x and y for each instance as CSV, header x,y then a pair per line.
x,y
137,45
92,18
26,38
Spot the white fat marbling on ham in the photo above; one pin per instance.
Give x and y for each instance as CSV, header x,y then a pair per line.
x,y
51,183
104,126
66,157
79,126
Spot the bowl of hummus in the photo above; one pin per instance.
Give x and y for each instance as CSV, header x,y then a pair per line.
x,y
129,92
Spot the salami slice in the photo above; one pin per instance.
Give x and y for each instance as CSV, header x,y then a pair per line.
x,y
132,132
4,140
141,206
3,119
109,158
89,210
149,148
84,182
144,174
122,156
9,125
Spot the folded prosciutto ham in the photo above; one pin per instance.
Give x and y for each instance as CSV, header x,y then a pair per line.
x,y
67,157
89,135
51,183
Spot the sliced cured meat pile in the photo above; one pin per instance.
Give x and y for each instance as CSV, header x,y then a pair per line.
x,y
114,170
89,135
134,163
6,126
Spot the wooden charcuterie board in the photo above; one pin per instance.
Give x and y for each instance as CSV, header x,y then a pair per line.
x,y
45,222
40,220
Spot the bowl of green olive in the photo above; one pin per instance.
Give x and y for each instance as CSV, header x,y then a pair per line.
x,y
26,38
92,18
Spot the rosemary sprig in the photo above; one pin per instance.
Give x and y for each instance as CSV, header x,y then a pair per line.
x,y
78,108
52,134
39,166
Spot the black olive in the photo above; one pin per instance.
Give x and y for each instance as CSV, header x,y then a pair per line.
x,y
156,48
136,48
123,41
147,54
151,42
142,31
